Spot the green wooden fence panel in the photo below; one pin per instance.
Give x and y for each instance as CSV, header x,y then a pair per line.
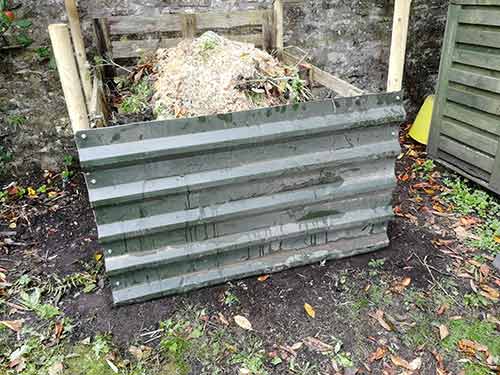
x,y
465,129
182,204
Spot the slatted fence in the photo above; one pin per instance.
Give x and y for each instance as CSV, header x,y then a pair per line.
x,y
465,131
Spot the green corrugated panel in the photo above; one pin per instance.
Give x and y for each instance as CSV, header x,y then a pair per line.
x,y
465,129
187,203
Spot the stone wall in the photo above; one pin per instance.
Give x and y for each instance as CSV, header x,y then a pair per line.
x,y
349,38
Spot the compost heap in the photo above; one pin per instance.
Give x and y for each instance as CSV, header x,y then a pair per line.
x,y
212,74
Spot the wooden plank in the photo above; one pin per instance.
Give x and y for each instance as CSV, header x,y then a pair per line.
x,y
99,110
398,45
467,135
477,56
136,48
475,98
475,77
464,169
442,88
480,16
267,31
122,25
229,20
473,117
495,174
336,84
278,24
103,44
189,25
479,35
467,154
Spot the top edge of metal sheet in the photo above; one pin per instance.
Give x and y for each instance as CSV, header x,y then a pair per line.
x,y
165,128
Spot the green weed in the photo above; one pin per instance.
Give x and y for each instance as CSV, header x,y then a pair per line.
x,y
468,201
16,120
33,302
138,99
425,168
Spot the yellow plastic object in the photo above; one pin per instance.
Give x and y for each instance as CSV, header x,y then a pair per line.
x,y
420,129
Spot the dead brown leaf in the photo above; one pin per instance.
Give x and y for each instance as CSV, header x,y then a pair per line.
x,y
58,330
443,332
442,309
15,325
243,322
490,293
317,345
471,347
379,316
263,278
378,354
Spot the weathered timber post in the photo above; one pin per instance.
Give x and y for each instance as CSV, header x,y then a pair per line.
x,y
398,45
79,45
68,74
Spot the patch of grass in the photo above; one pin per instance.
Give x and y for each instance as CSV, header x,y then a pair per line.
x,y
469,201
477,369
138,98
482,332
90,359
422,333
16,120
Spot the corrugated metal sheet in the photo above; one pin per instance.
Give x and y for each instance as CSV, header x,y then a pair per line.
x,y
186,203
465,130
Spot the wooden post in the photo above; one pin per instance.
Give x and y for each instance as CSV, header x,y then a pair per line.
x,y
278,24
68,74
79,45
398,45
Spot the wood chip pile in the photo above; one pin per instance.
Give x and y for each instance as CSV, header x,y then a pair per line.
x,y
211,74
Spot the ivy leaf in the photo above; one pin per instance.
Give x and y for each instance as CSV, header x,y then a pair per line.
x,y
22,24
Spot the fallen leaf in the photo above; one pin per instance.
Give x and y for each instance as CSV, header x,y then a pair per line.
x,y
309,310
415,364
52,194
97,257
58,330
497,238
243,322
263,278
441,242
468,221
443,332
378,354
489,292
56,369
442,309
471,347
223,319
462,233
317,345
15,325
297,345
401,362
379,316
399,286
